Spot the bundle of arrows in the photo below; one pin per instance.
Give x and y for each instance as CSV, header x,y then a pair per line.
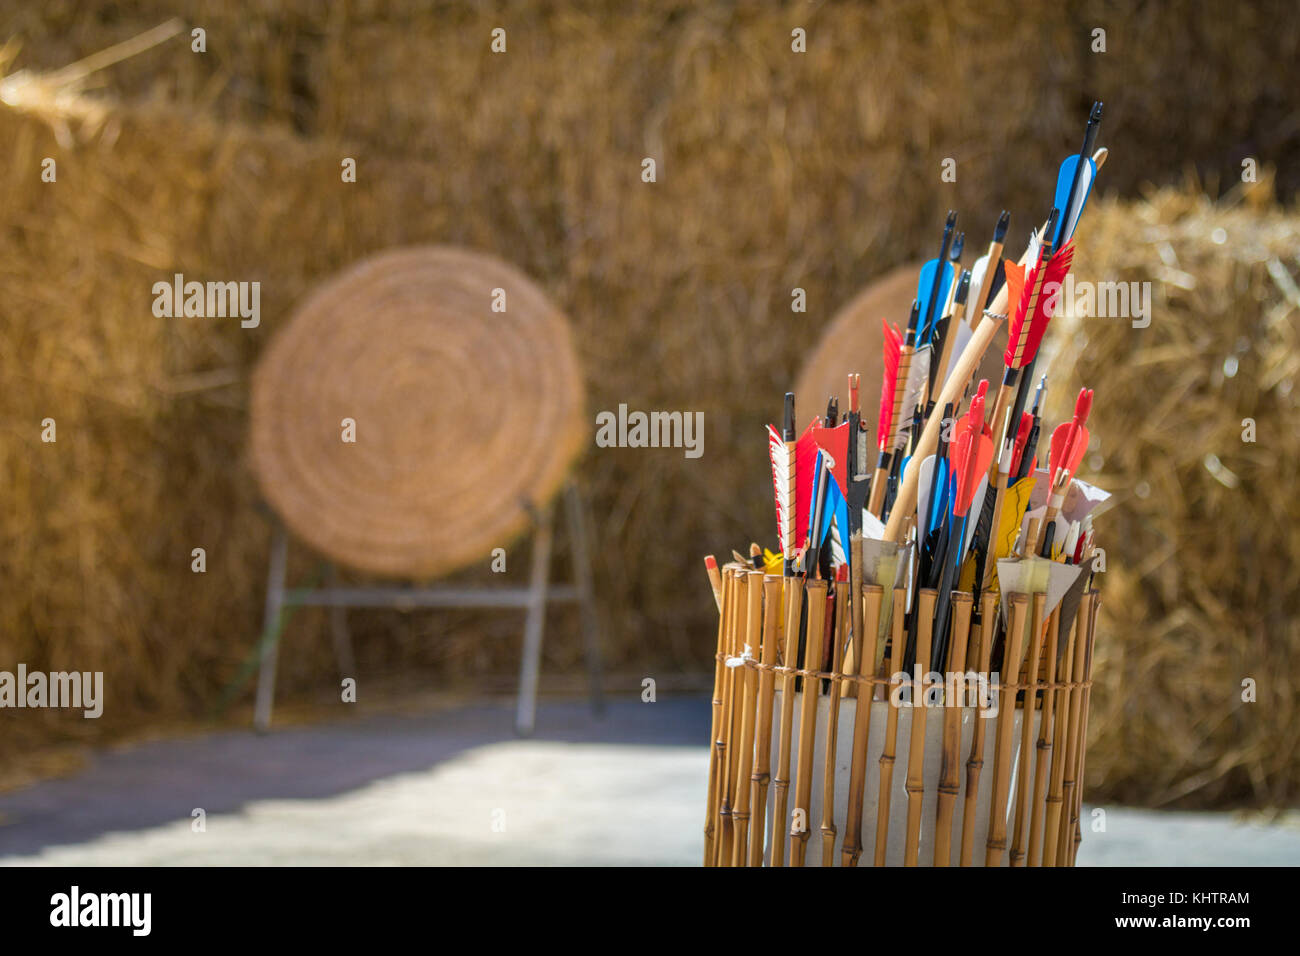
x,y
955,576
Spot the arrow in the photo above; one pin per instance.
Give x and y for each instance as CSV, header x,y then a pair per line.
x,y
1074,180
972,452
1069,442
897,354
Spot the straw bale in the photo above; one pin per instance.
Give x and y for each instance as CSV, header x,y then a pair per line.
x,y
775,171
1202,583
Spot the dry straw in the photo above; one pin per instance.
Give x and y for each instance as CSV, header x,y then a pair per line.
x,y
226,165
1199,433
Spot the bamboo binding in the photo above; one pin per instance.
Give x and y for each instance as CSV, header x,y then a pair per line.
x,y
798,739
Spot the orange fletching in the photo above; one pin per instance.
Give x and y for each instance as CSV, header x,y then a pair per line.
x,y
1036,301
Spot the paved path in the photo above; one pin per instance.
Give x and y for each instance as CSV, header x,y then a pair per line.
x,y
454,787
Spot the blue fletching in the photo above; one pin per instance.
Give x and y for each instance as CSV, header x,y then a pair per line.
x,y
938,504
812,499
923,286
1069,219
837,510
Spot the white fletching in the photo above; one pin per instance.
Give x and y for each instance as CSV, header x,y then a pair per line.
x,y
918,373
780,457
837,546
977,273
1080,197
1035,246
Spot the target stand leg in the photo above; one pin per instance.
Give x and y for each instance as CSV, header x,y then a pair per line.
x,y
531,666
340,636
534,599
270,646
581,561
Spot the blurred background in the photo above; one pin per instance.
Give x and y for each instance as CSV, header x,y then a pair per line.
x,y
775,170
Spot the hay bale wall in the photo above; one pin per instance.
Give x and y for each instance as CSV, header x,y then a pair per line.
x,y
1202,587
775,170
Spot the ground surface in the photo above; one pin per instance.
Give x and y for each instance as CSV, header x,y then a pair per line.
x,y
455,787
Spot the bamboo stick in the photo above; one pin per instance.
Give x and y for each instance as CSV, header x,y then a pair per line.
x,y
977,297
949,773
1065,822
996,844
1066,711
852,847
715,579
1070,835
726,750
1030,536
781,782
915,784
1094,602
811,692
1046,730
879,478
970,802
896,643
748,680
1078,740
1027,731
832,725
766,696
853,656
719,671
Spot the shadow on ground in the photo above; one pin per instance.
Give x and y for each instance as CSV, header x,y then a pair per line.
x,y
151,784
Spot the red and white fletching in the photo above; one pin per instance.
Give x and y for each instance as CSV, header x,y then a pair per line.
x,y
1070,439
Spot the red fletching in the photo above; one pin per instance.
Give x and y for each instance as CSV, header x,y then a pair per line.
x,y
971,454
835,442
1035,305
1083,406
1079,547
975,414
891,350
805,463
1070,439
982,392
1022,436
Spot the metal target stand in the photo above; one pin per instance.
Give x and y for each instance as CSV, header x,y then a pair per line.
x,y
534,599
